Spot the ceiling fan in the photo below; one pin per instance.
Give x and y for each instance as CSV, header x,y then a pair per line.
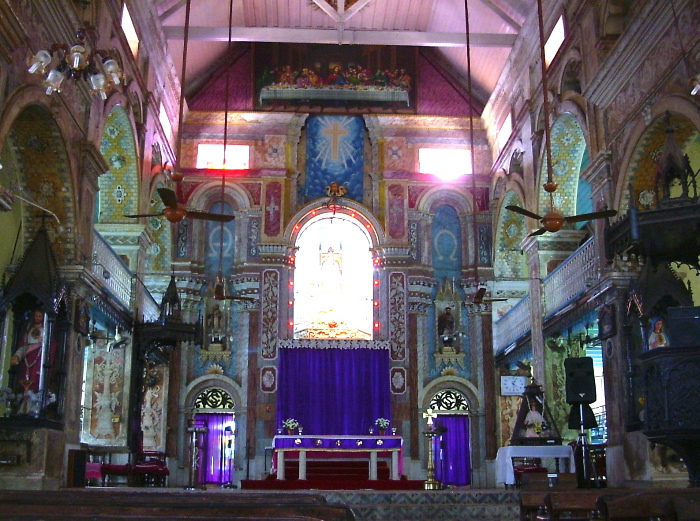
x,y
175,212
481,293
553,220
220,286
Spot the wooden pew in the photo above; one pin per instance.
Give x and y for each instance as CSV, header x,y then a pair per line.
x,y
577,505
122,505
536,486
661,504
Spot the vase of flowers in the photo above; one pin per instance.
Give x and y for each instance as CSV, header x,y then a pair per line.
x,y
382,424
291,425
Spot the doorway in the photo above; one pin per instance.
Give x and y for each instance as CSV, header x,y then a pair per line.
x,y
217,446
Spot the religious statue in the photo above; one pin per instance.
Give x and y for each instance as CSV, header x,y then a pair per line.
x,y
446,329
27,362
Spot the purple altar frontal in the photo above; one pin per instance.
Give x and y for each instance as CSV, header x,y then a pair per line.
x,y
337,443
328,445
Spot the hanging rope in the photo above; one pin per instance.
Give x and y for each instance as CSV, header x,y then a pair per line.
x,y
223,167
545,93
475,228
177,172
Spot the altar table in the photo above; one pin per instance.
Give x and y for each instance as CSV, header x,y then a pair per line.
x,y
504,459
327,444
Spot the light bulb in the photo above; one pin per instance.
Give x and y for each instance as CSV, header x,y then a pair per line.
x,y
98,82
53,81
78,57
112,68
39,62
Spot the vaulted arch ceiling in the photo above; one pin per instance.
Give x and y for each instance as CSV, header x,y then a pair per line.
x,y
495,25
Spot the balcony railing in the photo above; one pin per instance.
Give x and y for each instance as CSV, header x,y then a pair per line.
x,y
570,279
559,289
513,325
107,265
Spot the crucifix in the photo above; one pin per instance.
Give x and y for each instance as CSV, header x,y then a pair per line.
x,y
430,416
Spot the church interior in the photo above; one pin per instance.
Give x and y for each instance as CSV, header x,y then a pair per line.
x,y
445,246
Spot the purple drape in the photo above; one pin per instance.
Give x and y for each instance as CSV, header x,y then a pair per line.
x,y
216,448
333,391
452,456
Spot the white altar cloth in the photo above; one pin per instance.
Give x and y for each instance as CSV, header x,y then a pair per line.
x,y
548,453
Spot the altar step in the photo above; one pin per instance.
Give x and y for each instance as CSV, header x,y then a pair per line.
x,y
333,469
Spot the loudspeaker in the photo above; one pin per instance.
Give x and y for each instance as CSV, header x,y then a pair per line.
x,y
683,327
580,381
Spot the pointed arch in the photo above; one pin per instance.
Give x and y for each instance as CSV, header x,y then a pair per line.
x,y
38,166
510,231
568,152
119,187
638,165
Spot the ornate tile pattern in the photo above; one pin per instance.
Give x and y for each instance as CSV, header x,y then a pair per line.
x,y
119,188
447,505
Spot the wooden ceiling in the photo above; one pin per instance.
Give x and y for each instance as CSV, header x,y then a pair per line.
x,y
494,27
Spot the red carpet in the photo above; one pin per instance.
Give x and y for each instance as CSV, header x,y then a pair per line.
x,y
331,484
332,475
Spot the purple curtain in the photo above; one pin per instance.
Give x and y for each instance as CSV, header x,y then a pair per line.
x,y
216,448
452,456
333,391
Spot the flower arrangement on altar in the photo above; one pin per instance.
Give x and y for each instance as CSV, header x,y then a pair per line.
x,y
382,423
290,423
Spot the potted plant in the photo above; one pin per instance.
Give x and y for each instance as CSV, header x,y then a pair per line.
x,y
291,425
382,424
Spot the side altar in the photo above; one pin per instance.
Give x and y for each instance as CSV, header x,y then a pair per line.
x,y
328,446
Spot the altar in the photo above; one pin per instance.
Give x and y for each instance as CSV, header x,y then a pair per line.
x,y
326,446
549,453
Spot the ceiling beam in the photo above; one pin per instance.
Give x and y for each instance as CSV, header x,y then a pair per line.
x,y
502,15
328,9
349,37
173,9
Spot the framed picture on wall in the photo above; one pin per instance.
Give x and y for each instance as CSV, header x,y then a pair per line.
x,y
607,327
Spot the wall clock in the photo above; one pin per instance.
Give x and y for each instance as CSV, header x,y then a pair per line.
x,y
513,385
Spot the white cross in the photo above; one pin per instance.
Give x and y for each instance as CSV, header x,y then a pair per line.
x,y
429,415
272,209
336,134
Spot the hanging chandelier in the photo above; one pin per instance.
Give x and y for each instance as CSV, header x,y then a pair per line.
x,y
98,67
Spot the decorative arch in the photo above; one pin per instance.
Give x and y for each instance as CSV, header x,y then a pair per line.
x,y
161,249
568,151
119,187
638,166
510,231
207,197
348,207
212,381
455,383
35,148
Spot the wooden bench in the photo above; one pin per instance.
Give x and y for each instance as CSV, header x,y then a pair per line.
x,y
577,505
661,504
133,505
536,486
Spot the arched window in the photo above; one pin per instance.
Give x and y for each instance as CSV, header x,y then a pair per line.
x,y
333,279
213,398
449,400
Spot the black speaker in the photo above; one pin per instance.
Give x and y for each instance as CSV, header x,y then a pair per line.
x,y
580,381
683,328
